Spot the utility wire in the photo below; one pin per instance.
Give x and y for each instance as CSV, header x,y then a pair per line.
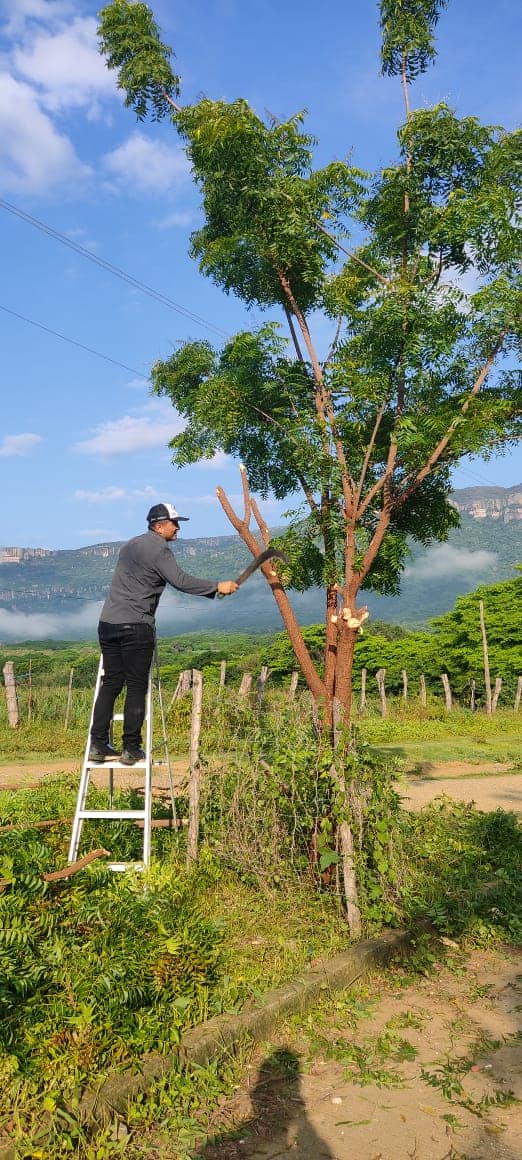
x,y
110,268
73,341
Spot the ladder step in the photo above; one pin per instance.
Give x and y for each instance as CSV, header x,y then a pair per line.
x,y
118,814
125,866
115,765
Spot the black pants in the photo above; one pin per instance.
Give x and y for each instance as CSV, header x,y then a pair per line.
x,y
127,651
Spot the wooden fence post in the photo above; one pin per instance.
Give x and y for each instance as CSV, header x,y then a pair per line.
x,y
182,687
422,681
404,676
496,694
473,691
486,657
518,695
195,768
379,677
13,715
362,702
30,694
222,674
246,682
293,686
260,684
447,692
69,699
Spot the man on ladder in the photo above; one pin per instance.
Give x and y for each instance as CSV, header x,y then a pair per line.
x,y
127,627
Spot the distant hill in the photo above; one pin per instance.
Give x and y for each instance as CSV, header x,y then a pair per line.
x,y
59,593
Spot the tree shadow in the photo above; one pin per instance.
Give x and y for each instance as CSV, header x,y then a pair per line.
x,y
278,1120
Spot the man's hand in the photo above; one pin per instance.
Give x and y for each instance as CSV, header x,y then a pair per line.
x,y
227,587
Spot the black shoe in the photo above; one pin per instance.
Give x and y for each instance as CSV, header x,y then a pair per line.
x,y
131,756
101,751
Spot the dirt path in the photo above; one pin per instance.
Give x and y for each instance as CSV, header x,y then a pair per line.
x,y
500,791
390,1071
497,790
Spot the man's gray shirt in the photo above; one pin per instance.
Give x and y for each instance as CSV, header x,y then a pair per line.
x,y
145,565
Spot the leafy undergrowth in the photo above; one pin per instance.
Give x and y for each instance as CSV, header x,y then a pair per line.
x,y
98,970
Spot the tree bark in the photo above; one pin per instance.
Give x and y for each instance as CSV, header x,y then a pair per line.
x,y
353,913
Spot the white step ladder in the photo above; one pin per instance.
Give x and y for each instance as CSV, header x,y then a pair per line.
x,y
144,815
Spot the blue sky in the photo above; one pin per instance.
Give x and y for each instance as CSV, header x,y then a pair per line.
x,y
83,446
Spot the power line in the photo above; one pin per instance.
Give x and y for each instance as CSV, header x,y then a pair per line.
x,y
73,341
110,268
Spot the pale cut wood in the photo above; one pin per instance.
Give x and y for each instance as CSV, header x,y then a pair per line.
x,y
13,715
195,768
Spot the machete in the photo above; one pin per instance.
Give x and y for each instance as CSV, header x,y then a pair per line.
x,y
268,554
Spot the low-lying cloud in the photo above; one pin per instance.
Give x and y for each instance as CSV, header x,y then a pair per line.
x,y
82,624
445,560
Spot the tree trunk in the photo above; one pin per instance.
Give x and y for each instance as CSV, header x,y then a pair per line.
x,y
447,692
487,678
423,690
195,768
353,913
496,694
13,715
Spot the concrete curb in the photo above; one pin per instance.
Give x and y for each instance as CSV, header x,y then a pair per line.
x,y
253,1024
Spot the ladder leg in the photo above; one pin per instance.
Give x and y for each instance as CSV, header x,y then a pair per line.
x,y
84,779
147,823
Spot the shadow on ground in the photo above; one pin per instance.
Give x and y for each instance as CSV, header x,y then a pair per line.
x,y
277,1122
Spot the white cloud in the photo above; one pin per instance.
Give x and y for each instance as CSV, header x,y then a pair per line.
x,y
445,560
179,219
110,494
13,445
129,434
45,11
33,155
148,166
66,66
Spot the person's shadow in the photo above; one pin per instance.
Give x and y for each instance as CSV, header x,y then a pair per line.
x,y
277,1123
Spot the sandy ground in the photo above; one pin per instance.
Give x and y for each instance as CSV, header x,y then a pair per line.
x,y
461,1027
458,779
